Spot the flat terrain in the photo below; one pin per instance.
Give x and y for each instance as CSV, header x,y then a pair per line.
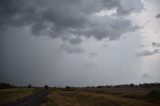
x,y
80,97
10,95
137,93
132,97
32,100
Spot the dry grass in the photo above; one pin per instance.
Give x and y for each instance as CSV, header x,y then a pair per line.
x,y
134,93
61,98
84,98
8,95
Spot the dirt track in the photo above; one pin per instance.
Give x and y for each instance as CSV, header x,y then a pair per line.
x,y
32,100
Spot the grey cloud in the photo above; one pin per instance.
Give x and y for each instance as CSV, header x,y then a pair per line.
x,y
90,64
16,13
142,46
155,44
70,17
148,53
111,4
156,31
75,40
72,49
158,16
112,28
128,6
105,46
146,75
93,54
123,7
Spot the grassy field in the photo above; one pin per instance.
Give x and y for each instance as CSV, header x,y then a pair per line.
x,y
137,93
97,98
8,95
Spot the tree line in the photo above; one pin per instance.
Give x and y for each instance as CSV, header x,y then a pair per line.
x,y
145,85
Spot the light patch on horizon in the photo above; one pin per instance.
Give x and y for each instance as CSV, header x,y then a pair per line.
x,y
149,53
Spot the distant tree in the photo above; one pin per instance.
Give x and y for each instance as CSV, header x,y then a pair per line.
x,y
6,85
100,86
29,86
68,87
46,87
131,85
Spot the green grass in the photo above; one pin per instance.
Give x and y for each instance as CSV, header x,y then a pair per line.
x,y
8,95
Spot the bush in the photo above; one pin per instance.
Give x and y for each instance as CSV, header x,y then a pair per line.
x,y
154,94
29,86
68,88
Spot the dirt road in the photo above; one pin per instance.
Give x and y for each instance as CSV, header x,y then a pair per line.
x,y
32,100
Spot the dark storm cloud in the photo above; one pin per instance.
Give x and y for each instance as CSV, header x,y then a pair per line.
x,y
16,13
146,75
128,7
107,27
93,54
158,16
63,18
155,44
72,49
156,50
148,52
75,40
123,7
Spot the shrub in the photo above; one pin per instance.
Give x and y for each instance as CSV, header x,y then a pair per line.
x,y
46,86
154,94
29,86
68,88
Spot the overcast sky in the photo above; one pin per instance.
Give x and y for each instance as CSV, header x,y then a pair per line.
x,y
79,42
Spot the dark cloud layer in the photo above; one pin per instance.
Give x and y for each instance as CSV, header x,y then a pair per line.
x,y
156,50
67,42
72,49
66,18
148,52
158,16
93,54
156,44
146,75
16,13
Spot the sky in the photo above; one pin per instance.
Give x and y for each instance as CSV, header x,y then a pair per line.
x,y
79,42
